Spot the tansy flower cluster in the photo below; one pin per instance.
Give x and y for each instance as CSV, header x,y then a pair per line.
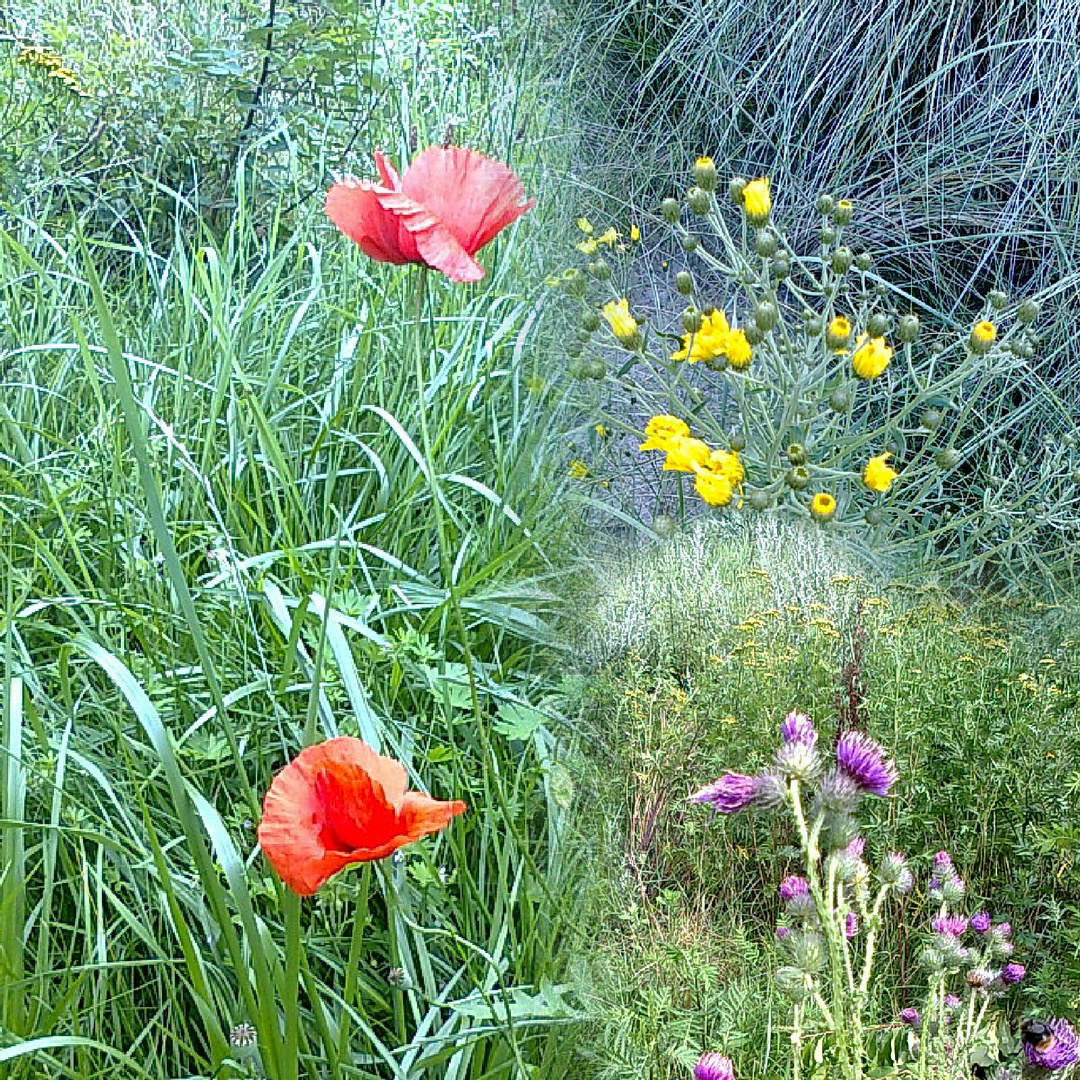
x,y
49,65
718,474
716,344
610,237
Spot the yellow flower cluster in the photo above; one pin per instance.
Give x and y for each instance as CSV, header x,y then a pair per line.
x,y
716,340
610,237
49,65
718,474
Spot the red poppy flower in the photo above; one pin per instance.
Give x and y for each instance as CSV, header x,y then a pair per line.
x,y
449,204
339,803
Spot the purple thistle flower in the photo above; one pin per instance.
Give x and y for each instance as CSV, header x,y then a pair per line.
x,y
856,847
782,932
1056,1050
980,922
935,885
943,865
792,887
851,925
1012,973
714,1067
911,1017
951,1001
798,728
956,925
731,793
1002,930
953,889
865,762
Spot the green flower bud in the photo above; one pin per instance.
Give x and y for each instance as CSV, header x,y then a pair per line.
x,y
842,259
907,328
576,368
1075,476
737,443
781,265
754,334
600,270
825,204
997,298
1027,312
595,369
766,315
698,200
877,325
736,188
691,320
684,282
573,349
688,243
705,173
664,526
983,336
807,950
796,454
842,213
931,419
583,335
874,516
864,260
717,363
813,326
765,244
946,459
827,236
573,283
930,960
590,321
798,478
792,983
760,500
839,400
670,210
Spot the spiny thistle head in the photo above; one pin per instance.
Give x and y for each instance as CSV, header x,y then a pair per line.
x,y
864,762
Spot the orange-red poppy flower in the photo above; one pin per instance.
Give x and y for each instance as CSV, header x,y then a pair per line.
x,y
449,204
338,803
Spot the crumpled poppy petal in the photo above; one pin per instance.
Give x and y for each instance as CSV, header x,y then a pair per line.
x,y
338,803
472,195
355,209
387,171
435,242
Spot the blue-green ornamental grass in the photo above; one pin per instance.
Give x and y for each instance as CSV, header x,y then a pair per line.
x,y
835,911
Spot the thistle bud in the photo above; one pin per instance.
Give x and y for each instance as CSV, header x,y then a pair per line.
x,y
698,200
874,516
688,243
907,328
691,320
1027,312
842,213
864,260
946,459
705,173
793,983
827,236
600,270
595,369
796,454
807,950
877,325
684,282
825,204
842,259
931,419
766,315
590,321
781,265
798,478
765,244
573,283
736,187
930,960
997,298
670,210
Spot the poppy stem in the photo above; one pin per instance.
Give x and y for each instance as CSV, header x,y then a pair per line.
x,y
290,1062
352,967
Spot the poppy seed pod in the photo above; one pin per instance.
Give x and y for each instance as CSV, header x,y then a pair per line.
x,y
842,213
766,315
765,244
698,200
864,260
684,283
1027,312
705,173
877,325
781,265
691,320
825,204
670,210
827,236
842,259
907,328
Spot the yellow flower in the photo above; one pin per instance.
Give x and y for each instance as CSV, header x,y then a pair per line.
x,y
983,335
608,237
585,225
601,431
822,506
685,454
838,333
587,247
709,342
738,350
660,430
871,358
878,476
622,323
578,470
756,201
635,233
714,488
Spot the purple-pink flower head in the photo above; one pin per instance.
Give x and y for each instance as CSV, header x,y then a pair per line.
x,y
1050,1045
731,793
782,932
980,922
714,1067
865,762
956,925
943,864
1012,973
798,728
856,847
951,1001
911,1017
851,925
792,887
1001,930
